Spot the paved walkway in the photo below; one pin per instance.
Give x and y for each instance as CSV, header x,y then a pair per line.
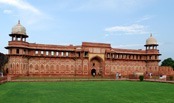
x,y
158,80
85,79
59,79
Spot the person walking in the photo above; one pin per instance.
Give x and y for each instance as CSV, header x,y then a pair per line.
x,y
117,75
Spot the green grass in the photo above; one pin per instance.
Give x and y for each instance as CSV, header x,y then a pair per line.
x,y
86,92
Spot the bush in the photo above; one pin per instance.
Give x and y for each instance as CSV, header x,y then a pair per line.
x,y
171,77
141,77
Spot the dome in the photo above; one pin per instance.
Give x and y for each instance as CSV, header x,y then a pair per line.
x,y
18,29
151,41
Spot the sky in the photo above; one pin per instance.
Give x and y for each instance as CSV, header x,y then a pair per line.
x,y
122,23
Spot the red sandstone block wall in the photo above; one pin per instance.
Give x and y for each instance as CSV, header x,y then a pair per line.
x,y
166,70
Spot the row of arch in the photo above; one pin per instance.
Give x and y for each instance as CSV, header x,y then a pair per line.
x,y
18,68
131,56
23,68
133,68
56,68
125,70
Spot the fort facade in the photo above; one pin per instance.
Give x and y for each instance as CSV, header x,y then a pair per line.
x,y
89,58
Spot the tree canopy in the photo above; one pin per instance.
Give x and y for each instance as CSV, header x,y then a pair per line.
x,y
168,62
3,61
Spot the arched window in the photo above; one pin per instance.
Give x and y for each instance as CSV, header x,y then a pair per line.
x,y
57,53
52,53
42,52
36,52
67,54
47,52
17,51
62,53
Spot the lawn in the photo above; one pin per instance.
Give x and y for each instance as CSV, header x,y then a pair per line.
x,y
87,92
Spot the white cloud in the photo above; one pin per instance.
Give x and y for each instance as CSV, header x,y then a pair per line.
x,y
21,4
24,11
130,29
7,11
144,18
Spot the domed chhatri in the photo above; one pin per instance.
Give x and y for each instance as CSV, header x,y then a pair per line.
x,y
18,29
151,41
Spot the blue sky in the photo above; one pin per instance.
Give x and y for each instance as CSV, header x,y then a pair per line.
x,y
123,23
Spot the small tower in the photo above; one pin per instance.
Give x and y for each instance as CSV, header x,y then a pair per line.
x,y
152,55
18,44
18,51
18,33
151,43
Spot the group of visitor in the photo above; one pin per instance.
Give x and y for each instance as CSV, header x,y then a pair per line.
x,y
149,74
118,75
1,74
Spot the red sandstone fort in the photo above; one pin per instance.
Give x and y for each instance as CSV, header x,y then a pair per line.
x,y
31,59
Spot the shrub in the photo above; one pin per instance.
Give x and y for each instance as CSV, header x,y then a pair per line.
x,y
141,77
170,77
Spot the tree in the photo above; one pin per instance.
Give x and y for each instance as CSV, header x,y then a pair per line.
x,y
3,61
168,62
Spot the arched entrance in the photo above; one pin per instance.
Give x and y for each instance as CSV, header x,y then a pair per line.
x,y
93,72
96,66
